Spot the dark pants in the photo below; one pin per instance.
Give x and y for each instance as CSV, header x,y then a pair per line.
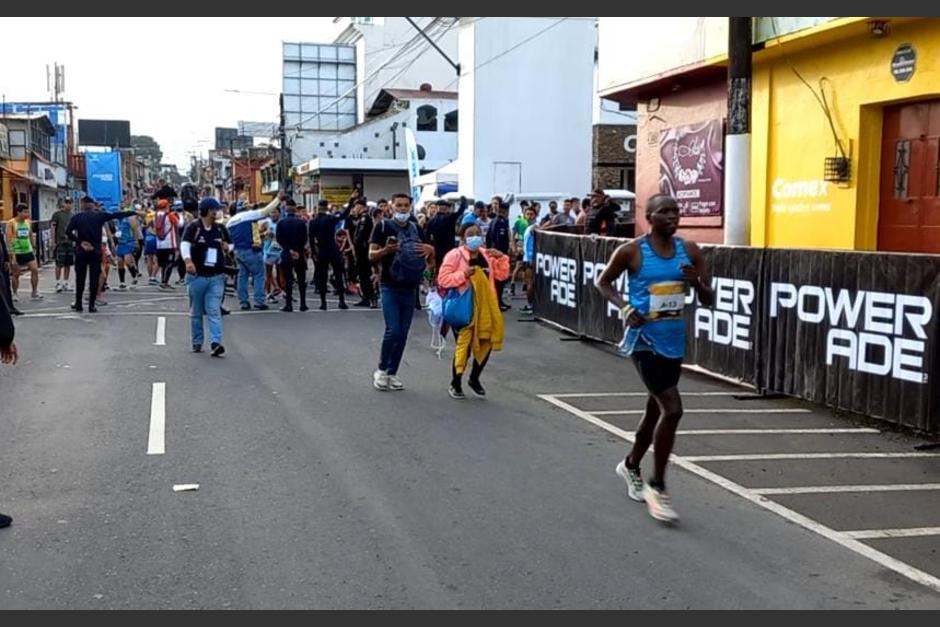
x,y
6,290
500,288
398,307
364,270
321,268
294,269
166,259
87,265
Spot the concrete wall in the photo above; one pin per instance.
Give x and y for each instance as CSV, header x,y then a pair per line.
x,y
526,112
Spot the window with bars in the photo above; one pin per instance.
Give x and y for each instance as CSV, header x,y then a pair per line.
x,y
902,168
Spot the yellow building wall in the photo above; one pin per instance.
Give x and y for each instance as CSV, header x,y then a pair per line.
x,y
791,205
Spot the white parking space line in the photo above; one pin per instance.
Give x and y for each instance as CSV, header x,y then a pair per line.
x,y
643,394
771,431
638,412
836,489
775,456
880,534
156,441
841,538
161,331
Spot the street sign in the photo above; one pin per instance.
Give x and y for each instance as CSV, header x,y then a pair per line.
x,y
903,63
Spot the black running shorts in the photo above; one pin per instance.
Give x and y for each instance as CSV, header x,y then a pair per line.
x,y
657,372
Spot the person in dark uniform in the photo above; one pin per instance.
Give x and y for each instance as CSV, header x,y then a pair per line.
x,y
498,237
292,237
326,253
441,230
362,232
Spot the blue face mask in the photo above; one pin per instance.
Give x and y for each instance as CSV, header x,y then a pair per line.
x,y
402,217
474,242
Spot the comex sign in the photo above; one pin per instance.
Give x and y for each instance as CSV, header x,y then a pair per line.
x,y
877,347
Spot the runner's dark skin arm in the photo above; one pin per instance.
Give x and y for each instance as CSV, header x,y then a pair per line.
x,y
697,275
625,259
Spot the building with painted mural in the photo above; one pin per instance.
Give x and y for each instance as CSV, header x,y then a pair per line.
x,y
845,126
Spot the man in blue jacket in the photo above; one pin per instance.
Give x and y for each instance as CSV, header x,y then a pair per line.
x,y
244,230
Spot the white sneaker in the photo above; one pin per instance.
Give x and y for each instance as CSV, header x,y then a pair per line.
x,y
395,384
37,296
633,480
659,506
380,380
59,287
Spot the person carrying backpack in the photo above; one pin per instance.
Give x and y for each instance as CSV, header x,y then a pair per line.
x,y
401,250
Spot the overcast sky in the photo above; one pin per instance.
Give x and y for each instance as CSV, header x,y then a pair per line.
x,y
168,76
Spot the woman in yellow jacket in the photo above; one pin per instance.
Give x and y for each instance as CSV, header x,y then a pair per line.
x,y
470,266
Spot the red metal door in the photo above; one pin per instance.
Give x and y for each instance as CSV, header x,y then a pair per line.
x,y
909,210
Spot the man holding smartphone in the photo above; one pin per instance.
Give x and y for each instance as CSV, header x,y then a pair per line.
x,y
661,268
399,246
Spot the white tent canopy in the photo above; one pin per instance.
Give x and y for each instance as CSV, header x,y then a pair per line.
x,y
447,174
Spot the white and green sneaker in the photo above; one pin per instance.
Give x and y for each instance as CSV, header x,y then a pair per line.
x,y
633,479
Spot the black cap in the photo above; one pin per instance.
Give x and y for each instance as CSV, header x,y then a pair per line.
x,y
88,199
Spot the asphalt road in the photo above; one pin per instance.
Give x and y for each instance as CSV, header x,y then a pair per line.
x,y
317,491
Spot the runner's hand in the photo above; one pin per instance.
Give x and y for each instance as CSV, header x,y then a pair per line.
x,y
632,317
391,248
426,250
495,254
9,355
691,274
190,266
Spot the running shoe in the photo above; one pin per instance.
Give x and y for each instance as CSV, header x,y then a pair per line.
x,y
380,380
395,384
657,501
456,393
633,479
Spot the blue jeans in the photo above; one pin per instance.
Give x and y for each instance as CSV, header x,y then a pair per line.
x,y
251,263
398,306
205,299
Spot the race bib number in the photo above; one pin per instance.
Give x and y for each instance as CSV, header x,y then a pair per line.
x,y
667,300
212,257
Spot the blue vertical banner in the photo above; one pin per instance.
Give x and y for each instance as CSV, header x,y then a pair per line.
x,y
104,178
414,170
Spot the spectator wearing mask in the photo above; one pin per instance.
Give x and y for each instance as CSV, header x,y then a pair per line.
x,y
473,267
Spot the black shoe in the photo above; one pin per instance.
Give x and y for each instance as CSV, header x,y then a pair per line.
x,y
217,350
374,305
304,308
77,308
362,303
262,307
225,312
456,393
287,309
5,521
476,387
246,307
17,312
343,305
197,348
92,309
323,306
505,307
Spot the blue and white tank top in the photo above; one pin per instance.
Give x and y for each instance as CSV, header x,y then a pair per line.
x,y
657,292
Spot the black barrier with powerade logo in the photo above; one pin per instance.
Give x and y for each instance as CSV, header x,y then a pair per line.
x,y
855,331
558,278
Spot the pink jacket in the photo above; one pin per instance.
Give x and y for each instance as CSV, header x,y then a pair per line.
x,y
456,262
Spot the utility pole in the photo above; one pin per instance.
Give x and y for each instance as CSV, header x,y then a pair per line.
x,y
738,141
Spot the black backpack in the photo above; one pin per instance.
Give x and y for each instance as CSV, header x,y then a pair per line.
x,y
190,197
